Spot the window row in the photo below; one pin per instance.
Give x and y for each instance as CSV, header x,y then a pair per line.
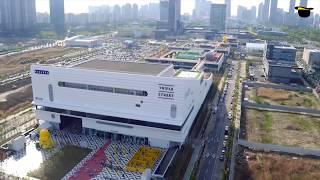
x,y
117,119
103,89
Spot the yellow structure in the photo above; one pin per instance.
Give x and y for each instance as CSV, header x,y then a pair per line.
x,y
45,140
225,39
143,159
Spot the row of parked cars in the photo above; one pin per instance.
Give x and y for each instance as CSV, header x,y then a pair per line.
x,y
226,130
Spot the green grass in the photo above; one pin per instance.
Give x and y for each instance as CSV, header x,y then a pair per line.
x,y
308,103
60,163
266,125
267,122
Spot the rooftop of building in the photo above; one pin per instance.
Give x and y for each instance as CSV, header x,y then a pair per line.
x,y
124,67
285,47
314,50
188,74
213,56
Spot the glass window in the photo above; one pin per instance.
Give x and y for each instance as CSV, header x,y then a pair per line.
x,y
103,89
50,89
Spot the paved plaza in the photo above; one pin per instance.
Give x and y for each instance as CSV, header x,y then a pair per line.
x,y
107,160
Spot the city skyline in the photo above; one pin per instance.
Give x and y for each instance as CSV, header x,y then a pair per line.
x,y
187,5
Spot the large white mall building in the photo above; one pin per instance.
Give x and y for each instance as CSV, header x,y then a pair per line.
x,y
150,101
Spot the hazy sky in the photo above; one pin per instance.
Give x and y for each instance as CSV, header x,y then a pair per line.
x,y
78,6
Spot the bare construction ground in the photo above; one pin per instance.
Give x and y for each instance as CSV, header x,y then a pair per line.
x,y
15,100
282,128
270,166
283,97
14,64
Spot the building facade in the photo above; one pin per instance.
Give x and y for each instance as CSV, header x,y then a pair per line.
x,y
57,18
280,63
312,58
164,11
17,15
174,15
151,101
274,15
218,17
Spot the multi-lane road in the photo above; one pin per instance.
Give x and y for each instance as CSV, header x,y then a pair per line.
x,y
210,164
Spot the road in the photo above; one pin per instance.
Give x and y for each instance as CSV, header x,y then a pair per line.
x,y
210,166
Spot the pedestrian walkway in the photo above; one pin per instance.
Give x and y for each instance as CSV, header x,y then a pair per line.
x,y
93,166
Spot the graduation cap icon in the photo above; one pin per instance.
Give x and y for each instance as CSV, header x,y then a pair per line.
x,y
303,11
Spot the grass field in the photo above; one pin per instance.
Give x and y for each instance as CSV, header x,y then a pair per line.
x,y
283,97
263,166
282,128
21,62
60,163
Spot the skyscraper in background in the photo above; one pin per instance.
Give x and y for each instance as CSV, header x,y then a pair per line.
x,y
304,3
17,15
174,15
218,15
273,12
228,3
291,17
164,10
116,14
135,11
291,6
266,7
260,12
202,8
57,18
126,12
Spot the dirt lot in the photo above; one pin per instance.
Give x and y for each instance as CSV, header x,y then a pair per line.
x,y
15,100
283,97
20,63
282,128
270,166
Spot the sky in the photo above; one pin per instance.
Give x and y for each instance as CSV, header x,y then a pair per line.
x,y
81,6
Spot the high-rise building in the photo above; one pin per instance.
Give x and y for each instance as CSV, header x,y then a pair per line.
x,y
57,18
291,6
273,11
17,15
116,14
260,12
174,15
304,3
202,8
218,17
228,3
316,21
126,12
135,11
43,18
164,10
247,15
266,7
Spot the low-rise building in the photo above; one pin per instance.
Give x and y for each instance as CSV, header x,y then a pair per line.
x,y
280,63
312,58
83,41
112,98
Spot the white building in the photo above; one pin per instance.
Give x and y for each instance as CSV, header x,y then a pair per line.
x,y
151,101
83,41
312,57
